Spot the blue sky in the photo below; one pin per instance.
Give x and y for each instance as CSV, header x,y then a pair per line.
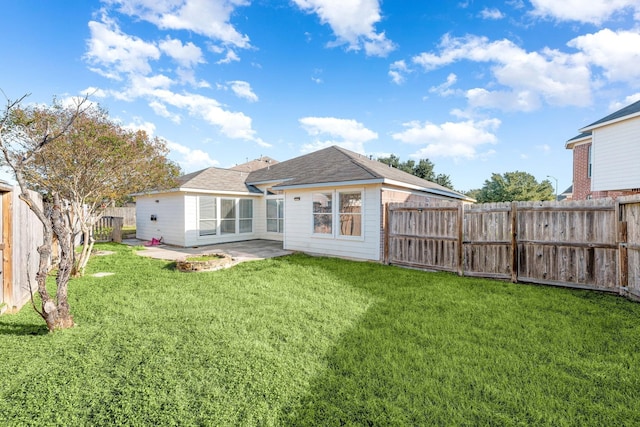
x,y
476,87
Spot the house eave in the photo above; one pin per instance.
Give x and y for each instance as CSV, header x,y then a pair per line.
x,y
610,122
199,191
573,142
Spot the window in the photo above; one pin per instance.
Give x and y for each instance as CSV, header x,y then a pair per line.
x,y
228,216
350,213
275,215
590,163
245,219
208,219
322,213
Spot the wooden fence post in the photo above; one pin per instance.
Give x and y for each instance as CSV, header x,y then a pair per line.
x,y
116,234
385,242
460,252
623,255
514,242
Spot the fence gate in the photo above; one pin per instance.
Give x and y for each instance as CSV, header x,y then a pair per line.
x,y
629,247
108,229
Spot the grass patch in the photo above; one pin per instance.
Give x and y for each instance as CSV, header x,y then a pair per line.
x,y
316,341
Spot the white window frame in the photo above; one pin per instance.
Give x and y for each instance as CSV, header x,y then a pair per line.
x,y
241,218
279,218
217,231
335,215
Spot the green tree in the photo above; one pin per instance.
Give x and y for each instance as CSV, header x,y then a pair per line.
x,y
423,169
95,164
79,160
513,186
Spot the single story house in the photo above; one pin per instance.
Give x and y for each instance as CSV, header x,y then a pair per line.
x,y
606,155
329,202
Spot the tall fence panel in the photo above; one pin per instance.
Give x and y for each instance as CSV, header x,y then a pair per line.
x,y
488,246
590,244
568,243
425,237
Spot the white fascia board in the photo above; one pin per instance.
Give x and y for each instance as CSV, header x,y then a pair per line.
x,y
450,195
579,141
330,184
155,192
610,122
224,193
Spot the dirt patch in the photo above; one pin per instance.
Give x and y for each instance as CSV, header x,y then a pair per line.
x,y
103,274
103,253
206,262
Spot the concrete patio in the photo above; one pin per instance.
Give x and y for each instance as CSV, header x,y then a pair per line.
x,y
240,251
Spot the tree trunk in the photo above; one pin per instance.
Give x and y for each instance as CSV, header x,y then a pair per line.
x,y
55,312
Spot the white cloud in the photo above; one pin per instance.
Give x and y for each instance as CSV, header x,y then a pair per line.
x,y
397,71
617,52
456,140
553,76
346,133
243,90
353,23
616,105
115,52
210,18
94,92
161,110
492,14
140,124
444,89
189,159
125,57
186,55
592,11
230,57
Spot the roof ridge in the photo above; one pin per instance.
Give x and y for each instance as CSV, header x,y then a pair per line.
x,y
355,159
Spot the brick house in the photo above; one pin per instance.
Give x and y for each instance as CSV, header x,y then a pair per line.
x,y
606,155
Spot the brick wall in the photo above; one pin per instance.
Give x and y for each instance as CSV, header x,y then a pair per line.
x,y
581,180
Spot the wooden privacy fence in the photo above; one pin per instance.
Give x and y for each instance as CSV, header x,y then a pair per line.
x,y
591,244
127,213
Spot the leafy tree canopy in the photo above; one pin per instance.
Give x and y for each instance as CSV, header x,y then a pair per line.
x,y
423,169
513,187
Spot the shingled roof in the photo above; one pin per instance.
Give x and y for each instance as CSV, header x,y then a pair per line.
x,y
338,165
629,110
217,179
259,163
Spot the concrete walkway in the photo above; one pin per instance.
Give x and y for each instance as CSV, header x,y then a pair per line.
x,y
239,251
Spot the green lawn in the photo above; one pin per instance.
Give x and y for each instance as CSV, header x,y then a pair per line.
x,y
315,341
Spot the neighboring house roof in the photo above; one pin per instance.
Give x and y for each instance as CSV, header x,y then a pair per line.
x,y
623,113
259,163
335,165
216,179
566,193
